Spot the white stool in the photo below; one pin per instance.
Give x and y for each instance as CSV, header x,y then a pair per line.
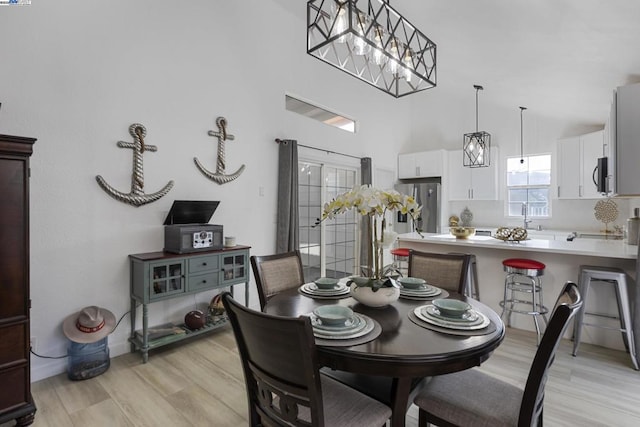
x,y
618,278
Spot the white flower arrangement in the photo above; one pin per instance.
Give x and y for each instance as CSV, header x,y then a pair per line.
x,y
373,203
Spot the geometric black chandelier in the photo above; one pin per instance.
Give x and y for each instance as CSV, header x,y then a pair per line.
x,y
476,146
371,41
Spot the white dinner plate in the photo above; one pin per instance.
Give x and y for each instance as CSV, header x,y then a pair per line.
x,y
420,295
422,314
469,318
312,290
427,292
312,287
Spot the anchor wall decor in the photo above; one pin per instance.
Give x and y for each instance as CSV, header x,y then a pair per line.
x,y
222,136
136,197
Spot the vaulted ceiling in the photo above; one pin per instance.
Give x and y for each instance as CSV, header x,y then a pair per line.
x,y
560,57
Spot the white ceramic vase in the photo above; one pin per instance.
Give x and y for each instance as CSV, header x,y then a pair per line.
x,y
380,298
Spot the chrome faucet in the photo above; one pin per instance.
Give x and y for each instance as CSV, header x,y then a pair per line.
x,y
524,214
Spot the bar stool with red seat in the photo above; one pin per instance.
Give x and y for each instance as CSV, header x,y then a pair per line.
x,y
401,259
523,276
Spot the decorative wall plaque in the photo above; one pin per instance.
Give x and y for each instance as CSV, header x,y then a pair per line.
x,y
219,176
136,196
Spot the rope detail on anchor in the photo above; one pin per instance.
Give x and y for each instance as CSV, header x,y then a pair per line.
x,y
221,122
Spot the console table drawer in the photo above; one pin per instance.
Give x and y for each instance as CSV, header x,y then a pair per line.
x,y
203,281
203,263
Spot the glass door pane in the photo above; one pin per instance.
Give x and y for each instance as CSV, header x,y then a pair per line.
x,y
327,250
165,279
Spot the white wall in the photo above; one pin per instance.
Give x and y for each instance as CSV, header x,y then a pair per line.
x,y
75,74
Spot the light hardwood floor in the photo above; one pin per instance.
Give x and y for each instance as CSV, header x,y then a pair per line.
x,y
200,383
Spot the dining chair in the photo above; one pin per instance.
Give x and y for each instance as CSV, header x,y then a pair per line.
x,y
276,273
446,271
472,398
283,382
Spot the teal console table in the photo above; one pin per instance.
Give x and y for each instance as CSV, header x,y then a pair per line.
x,y
160,276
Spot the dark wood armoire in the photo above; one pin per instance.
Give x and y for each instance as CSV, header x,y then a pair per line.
x,y
15,370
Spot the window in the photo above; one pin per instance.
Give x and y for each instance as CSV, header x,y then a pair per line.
x,y
528,186
329,249
320,114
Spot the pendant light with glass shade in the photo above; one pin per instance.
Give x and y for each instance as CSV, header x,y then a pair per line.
x,y
476,146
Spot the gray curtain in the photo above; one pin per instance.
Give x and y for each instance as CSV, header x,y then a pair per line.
x,y
366,254
287,238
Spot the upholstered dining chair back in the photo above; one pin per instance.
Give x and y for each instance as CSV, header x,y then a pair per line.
x,y
473,398
276,273
446,271
283,383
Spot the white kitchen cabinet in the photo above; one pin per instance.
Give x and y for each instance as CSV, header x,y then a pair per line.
x,y
592,145
568,166
577,158
423,164
465,183
610,147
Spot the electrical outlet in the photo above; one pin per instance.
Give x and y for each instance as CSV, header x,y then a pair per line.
x,y
32,343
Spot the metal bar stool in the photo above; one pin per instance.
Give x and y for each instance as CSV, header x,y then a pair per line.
x,y
471,288
401,260
618,278
523,276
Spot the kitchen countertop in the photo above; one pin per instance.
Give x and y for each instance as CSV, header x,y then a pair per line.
x,y
585,247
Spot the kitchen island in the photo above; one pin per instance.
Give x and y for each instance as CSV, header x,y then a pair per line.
x,y
562,259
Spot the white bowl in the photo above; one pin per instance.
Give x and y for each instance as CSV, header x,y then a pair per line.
x,y
334,315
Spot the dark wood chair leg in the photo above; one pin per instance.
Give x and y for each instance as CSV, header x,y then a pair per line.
x,y
422,418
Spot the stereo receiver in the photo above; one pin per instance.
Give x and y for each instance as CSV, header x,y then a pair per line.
x,y
186,227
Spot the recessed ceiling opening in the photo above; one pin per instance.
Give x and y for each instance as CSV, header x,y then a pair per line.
x,y
319,113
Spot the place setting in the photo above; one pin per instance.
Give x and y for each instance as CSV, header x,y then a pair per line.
x,y
338,325
325,288
414,288
452,317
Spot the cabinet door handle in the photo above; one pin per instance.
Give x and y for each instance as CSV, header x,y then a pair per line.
x,y
204,264
417,170
579,190
558,191
204,281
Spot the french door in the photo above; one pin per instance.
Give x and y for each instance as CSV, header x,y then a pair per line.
x,y
329,249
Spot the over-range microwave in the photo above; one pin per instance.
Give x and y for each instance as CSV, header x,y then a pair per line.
x,y
601,175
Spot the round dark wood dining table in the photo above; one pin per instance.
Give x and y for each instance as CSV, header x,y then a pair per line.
x,y
404,351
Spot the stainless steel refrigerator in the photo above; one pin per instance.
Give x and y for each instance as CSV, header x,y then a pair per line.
x,y
427,194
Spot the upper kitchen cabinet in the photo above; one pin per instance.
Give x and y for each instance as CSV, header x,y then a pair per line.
x,y
424,164
627,146
466,183
577,161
